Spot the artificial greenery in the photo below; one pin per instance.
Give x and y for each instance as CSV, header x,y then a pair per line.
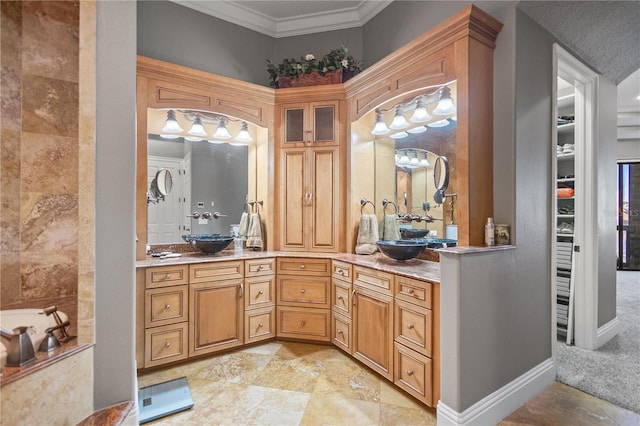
x,y
336,59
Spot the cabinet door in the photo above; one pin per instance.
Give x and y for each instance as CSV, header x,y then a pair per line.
x,y
373,330
324,123
215,316
314,122
296,124
293,187
324,164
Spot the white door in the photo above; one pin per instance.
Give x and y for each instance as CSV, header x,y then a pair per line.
x,y
164,217
186,194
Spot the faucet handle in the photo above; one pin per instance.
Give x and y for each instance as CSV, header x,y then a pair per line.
x,y
195,215
218,214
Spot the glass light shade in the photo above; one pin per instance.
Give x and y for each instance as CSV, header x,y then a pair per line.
x,y
424,162
399,135
171,125
399,122
192,139
215,141
243,135
420,114
221,131
416,130
381,127
439,123
168,136
445,104
454,118
197,129
404,159
414,161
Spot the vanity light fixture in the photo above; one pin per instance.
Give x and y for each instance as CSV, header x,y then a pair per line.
x,y
414,160
171,124
243,135
439,123
169,136
192,139
445,104
399,122
424,162
221,131
381,127
399,135
420,114
416,130
197,129
404,160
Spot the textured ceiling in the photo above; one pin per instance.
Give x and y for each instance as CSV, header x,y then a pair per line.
x,y
605,34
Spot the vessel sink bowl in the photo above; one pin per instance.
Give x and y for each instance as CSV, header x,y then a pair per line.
x,y
208,243
402,249
407,233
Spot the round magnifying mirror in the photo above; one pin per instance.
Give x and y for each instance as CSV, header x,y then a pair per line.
x,y
438,196
164,182
441,173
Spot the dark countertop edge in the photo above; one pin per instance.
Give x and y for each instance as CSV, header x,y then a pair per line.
x,y
43,360
414,268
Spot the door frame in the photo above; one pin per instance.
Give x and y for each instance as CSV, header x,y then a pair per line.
x,y
585,82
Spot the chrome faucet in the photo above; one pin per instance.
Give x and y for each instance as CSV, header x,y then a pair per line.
x,y
20,348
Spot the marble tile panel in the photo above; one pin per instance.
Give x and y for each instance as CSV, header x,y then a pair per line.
x,y
11,36
10,97
310,351
300,375
48,221
269,348
10,289
334,410
49,274
391,395
66,11
49,106
49,164
86,305
235,367
50,47
350,381
10,194
397,416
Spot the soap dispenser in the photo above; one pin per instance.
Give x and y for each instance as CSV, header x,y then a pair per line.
x,y
489,233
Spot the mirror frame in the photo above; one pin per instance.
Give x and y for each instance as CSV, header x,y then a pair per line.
x,y
441,166
164,85
163,182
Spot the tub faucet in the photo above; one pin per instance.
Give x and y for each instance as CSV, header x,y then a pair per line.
x,y
20,348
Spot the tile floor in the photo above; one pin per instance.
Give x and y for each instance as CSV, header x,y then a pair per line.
x,y
288,383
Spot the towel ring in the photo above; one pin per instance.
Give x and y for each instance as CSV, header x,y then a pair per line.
x,y
386,202
364,202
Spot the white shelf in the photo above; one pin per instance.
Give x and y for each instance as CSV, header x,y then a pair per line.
x,y
565,216
562,157
567,180
566,100
566,128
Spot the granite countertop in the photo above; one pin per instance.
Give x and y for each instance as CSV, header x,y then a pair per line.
x,y
414,268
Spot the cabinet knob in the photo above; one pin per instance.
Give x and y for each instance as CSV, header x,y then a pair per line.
x,y
260,292
167,276
409,373
260,325
411,292
340,298
340,332
167,344
409,326
302,323
340,271
301,266
261,267
302,290
167,306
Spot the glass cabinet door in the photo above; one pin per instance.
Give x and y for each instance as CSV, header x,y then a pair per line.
x,y
314,122
324,123
294,118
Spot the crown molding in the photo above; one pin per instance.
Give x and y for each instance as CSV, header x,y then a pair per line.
x,y
287,27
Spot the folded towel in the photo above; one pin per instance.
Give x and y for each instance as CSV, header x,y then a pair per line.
x,y
254,233
367,234
244,225
389,228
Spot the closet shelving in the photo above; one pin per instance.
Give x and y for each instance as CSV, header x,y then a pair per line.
x,y
565,210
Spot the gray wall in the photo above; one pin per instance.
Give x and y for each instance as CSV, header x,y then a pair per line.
x,y
183,36
114,356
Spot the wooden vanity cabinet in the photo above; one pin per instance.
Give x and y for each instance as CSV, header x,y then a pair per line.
x,y
341,305
373,319
260,300
303,298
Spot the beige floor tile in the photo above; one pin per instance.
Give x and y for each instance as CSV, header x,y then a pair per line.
x,y
335,410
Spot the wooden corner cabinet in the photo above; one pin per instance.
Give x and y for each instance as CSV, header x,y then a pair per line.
x,y
311,123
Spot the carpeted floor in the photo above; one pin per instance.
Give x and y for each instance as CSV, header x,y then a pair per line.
x,y
611,372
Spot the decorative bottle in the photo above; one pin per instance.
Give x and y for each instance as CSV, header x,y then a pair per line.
x,y
489,233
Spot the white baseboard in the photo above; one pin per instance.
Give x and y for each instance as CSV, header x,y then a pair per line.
x,y
498,405
607,332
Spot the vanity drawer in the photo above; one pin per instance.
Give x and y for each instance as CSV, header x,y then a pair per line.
x,y
414,291
167,305
373,279
299,290
259,324
260,291
259,267
341,332
341,297
413,326
164,276
304,323
412,372
341,270
298,265
216,271
165,344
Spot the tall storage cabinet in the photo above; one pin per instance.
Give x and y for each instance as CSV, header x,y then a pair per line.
x,y
309,167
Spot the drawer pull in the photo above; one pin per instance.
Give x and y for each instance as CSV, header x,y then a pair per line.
x,y
167,276
301,266
260,292
167,344
409,326
353,293
302,290
411,292
340,298
302,323
409,373
260,325
340,332
167,306
260,268
340,271
241,290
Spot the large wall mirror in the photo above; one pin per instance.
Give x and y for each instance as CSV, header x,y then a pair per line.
x,y
212,160
408,135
